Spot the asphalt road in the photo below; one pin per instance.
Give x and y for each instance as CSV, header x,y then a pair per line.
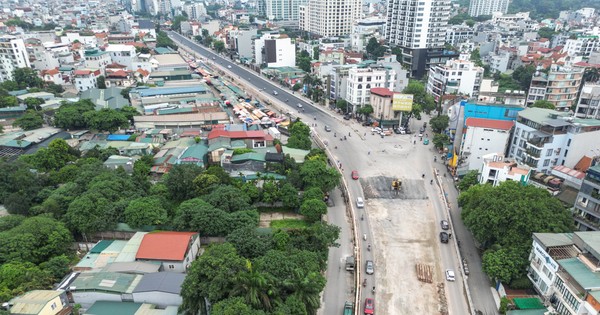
x,y
339,284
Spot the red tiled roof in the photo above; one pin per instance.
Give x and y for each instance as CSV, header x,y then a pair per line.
x,y
115,65
82,72
489,123
164,245
584,164
381,91
253,134
118,73
51,71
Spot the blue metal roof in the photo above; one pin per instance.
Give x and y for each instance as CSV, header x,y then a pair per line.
x,y
117,137
170,90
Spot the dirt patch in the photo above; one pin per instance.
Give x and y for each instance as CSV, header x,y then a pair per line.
x,y
381,187
400,245
266,218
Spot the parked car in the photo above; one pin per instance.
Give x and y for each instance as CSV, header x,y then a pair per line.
x,y
444,225
369,306
347,117
355,174
450,275
444,237
360,203
370,268
376,130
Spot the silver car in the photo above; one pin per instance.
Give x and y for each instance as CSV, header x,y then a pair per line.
x,y
370,269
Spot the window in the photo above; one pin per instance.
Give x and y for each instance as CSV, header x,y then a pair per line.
x,y
549,152
546,162
566,151
569,142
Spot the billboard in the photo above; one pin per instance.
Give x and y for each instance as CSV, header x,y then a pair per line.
x,y
402,102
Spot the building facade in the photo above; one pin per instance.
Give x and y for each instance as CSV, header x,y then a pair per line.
x,y
86,79
123,55
560,86
13,55
419,29
455,77
496,169
362,80
458,34
483,137
280,10
329,18
274,50
582,46
487,7
587,204
589,101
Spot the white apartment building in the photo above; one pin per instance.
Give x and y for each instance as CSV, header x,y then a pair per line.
x,y
458,34
13,55
195,10
329,18
122,54
361,80
364,29
545,138
497,169
97,59
582,46
560,86
589,101
564,271
419,28
487,7
275,50
456,76
280,10
481,138
86,79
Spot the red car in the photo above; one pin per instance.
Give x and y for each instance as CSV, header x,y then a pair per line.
x,y
354,174
369,306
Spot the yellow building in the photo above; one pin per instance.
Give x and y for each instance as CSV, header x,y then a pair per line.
x,y
40,302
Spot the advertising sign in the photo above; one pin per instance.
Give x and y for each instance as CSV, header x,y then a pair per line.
x,y
402,102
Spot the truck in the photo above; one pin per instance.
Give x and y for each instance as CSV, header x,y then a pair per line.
x,y
276,134
348,308
350,262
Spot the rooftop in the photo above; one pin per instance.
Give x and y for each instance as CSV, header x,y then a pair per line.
x,y
218,133
554,239
489,123
112,307
169,90
169,282
382,91
581,273
165,245
33,302
540,115
106,281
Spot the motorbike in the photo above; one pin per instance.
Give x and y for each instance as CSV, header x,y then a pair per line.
x,y
344,137
369,247
334,134
362,217
373,290
365,283
365,237
431,182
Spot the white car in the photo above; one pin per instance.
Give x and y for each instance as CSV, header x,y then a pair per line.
x,y
360,203
450,275
377,130
229,66
299,105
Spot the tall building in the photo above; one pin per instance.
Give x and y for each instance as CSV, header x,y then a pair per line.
x,y
456,76
587,204
330,18
589,101
275,50
560,86
280,10
13,55
363,78
487,7
419,29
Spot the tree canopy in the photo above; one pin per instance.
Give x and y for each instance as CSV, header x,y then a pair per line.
x,y
299,136
503,218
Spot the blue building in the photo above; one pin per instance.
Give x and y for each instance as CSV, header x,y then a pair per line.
x,y
491,111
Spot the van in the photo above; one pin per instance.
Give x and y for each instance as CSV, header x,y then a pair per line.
x,y
360,203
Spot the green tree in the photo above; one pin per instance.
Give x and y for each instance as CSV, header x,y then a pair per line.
x,y
546,32
543,104
54,89
57,267
249,243
71,115
297,87
180,181
33,103
523,76
307,286
495,216
591,75
17,277
270,192
289,196
316,173
176,26
316,53
439,123
106,119
90,213
228,198
366,110
56,155
163,40
470,179
27,78
219,46
254,286
8,101
211,277
234,306
125,93
145,211
205,183
313,193
313,209
424,101
439,140
342,104
129,112
29,121
249,189
101,82
303,61
299,136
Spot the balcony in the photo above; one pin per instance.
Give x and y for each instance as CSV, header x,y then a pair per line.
x,y
532,163
539,142
533,153
587,222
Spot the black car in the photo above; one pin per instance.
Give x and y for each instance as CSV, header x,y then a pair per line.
x,y
444,237
347,117
397,131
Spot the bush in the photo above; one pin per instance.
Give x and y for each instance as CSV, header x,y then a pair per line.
x,y
522,283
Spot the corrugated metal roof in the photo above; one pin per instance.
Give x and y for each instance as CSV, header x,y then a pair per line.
x,y
106,281
113,308
137,267
580,273
33,302
170,90
166,245
100,246
169,282
131,248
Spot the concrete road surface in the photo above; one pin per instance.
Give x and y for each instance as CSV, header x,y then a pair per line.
x,y
375,158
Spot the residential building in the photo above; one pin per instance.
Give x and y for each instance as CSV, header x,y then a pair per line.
x,y
497,169
85,79
487,7
364,29
589,101
455,77
382,102
501,61
97,59
483,137
587,204
564,270
13,55
338,79
419,29
195,10
582,46
545,138
329,18
40,302
560,86
242,41
122,54
174,250
362,79
280,10
253,139
458,34
275,50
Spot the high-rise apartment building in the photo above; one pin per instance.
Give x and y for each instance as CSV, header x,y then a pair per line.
x,y
329,18
487,7
13,55
419,28
280,10
560,86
